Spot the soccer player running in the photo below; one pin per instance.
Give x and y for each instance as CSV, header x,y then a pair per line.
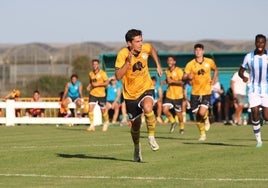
x,y
174,94
98,81
257,64
132,67
198,72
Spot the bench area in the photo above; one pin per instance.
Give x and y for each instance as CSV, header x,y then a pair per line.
x,y
9,118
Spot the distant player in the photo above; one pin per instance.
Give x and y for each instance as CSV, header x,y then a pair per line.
x,y
174,94
198,72
98,81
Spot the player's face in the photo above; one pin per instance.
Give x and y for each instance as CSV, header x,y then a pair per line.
x,y
199,52
260,44
171,62
136,44
95,66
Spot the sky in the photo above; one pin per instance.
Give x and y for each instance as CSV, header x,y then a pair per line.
x,y
71,21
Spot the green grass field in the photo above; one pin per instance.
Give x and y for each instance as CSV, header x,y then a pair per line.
x,y
50,156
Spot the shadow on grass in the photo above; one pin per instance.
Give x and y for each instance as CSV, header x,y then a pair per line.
x,y
216,144
168,138
83,156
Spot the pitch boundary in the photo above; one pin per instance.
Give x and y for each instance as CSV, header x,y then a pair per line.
x,y
137,178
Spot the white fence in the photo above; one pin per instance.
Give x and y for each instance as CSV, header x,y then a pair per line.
x,y
10,119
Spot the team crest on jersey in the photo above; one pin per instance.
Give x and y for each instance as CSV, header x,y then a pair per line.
x,y
137,66
206,64
144,56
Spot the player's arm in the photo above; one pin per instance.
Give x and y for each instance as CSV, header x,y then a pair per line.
x,y
89,87
215,76
156,60
170,81
121,71
241,74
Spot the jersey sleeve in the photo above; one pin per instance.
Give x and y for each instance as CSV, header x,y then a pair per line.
x,y
187,69
246,61
121,58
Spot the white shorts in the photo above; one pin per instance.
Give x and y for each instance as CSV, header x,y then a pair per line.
x,y
257,100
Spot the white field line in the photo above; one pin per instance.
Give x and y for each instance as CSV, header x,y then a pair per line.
x,y
136,178
60,146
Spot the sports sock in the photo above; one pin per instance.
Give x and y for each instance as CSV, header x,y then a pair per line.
x,y
181,125
171,119
205,117
257,130
201,128
151,122
91,118
135,136
105,117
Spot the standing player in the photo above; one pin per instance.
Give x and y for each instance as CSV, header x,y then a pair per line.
x,y
198,71
257,64
174,94
132,67
98,80
73,93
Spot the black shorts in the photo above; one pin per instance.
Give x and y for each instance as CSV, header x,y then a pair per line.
x,y
173,103
134,108
101,101
199,100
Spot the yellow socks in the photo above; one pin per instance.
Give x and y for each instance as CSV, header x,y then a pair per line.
x,y
171,119
151,122
91,118
105,117
201,127
181,125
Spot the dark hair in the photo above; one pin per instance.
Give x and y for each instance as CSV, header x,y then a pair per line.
x,y
154,78
93,60
131,34
36,91
74,75
198,45
171,56
260,36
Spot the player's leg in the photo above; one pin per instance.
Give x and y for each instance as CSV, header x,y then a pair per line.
x,y
254,103
150,119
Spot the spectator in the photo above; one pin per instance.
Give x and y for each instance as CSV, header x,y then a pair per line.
x,y
62,111
113,98
73,93
14,95
158,99
216,100
239,88
228,107
35,112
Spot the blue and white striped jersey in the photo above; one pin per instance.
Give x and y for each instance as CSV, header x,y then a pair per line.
x,y
257,67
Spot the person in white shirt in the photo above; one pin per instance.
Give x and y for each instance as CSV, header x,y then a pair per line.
x,y
239,88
